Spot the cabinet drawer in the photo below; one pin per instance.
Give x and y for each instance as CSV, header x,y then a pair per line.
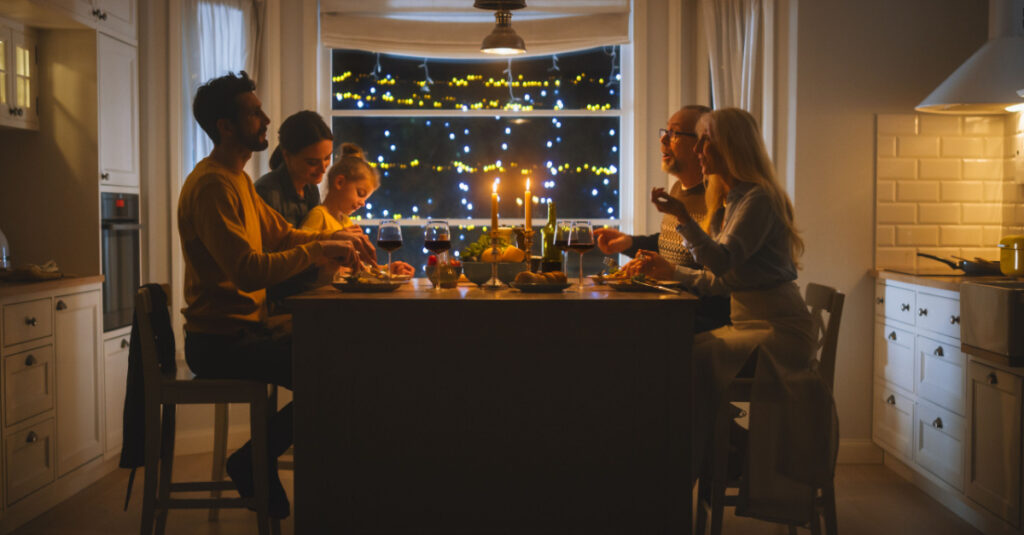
x,y
939,443
899,304
879,299
893,421
938,314
894,355
28,384
27,321
941,374
29,455
115,369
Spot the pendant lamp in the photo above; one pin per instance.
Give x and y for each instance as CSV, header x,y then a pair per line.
x,y
503,40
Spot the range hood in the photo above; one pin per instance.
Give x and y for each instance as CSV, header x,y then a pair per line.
x,y
992,79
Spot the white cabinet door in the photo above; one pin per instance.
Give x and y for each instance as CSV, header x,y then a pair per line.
x,y
18,77
117,80
79,371
115,366
118,17
994,445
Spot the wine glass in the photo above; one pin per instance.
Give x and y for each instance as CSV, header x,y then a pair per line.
x,y
581,240
561,243
389,238
437,238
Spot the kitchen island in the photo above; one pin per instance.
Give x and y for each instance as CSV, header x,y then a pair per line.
x,y
492,411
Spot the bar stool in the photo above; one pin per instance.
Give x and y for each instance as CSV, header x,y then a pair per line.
x,y
164,390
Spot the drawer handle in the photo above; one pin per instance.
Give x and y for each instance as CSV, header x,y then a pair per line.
x,y
892,336
905,307
879,300
124,343
61,305
992,379
937,424
30,360
104,176
30,321
922,312
891,400
103,15
32,438
939,352
953,320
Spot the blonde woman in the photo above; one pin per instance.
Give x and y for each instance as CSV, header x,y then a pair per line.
x,y
350,181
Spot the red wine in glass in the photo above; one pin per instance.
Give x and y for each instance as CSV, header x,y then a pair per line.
x,y
389,245
581,247
389,238
561,245
437,246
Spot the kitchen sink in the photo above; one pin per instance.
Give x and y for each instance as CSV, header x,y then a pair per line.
x,y
992,314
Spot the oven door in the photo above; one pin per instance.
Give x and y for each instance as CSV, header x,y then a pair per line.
x,y
121,273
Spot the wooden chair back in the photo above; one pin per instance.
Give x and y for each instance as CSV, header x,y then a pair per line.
x,y
826,304
151,372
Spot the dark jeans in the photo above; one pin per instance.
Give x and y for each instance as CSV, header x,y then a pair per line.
x,y
250,354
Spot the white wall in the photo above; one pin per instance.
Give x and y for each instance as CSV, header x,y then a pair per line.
x,y
855,60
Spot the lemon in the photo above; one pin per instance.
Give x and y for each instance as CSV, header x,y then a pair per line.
x,y
513,254
491,254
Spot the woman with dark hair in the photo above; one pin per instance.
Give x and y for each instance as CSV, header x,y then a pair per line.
x,y
297,166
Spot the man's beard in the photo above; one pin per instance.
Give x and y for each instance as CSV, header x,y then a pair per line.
x,y
254,143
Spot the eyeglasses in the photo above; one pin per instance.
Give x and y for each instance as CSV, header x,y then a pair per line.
x,y
676,134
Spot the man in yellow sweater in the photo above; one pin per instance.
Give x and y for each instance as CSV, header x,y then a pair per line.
x,y
225,229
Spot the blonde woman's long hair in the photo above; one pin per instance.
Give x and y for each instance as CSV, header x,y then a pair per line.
x,y
736,136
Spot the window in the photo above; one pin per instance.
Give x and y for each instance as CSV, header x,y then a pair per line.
x,y
440,132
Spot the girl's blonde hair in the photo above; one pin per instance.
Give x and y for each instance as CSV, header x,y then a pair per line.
x,y
736,136
353,165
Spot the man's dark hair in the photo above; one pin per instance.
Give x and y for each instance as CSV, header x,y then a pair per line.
x,y
215,100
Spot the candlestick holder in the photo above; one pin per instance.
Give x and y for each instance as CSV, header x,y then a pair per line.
x,y
528,242
494,283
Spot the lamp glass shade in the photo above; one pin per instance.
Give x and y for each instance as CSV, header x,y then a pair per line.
x,y
503,40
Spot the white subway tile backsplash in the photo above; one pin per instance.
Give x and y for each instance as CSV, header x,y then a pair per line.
x,y
960,235
897,124
963,147
917,235
917,146
1013,192
939,213
963,191
991,235
995,147
913,190
886,191
895,257
983,169
940,125
897,213
986,253
940,169
993,192
886,146
983,126
897,168
885,235
985,214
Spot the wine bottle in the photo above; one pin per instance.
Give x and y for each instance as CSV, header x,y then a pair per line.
x,y
551,258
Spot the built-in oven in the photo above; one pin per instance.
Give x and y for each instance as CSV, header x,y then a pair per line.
x,y
121,237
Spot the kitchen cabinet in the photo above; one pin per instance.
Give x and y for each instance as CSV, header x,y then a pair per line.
x,y
118,18
18,76
115,368
118,93
994,448
79,370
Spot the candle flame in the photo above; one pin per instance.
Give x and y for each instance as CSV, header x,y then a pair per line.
x,y
494,187
527,184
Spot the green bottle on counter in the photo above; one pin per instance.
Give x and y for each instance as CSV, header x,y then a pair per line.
x,y
551,258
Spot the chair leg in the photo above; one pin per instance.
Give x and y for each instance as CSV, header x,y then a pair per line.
x,y
703,502
168,423
220,451
719,468
828,496
258,422
152,466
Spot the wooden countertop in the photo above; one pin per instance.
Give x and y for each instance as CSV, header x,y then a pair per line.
x,y
942,281
13,289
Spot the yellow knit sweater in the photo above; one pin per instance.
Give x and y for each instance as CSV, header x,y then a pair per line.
x,y
225,227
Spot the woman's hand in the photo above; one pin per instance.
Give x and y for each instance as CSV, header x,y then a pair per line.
x,y
668,204
611,241
401,268
337,253
649,263
360,243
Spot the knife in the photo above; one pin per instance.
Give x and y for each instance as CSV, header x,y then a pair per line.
x,y
658,287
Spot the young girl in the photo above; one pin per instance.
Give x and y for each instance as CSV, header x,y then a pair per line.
x,y
350,182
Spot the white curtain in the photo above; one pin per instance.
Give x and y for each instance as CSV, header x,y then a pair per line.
x,y
735,31
218,37
454,29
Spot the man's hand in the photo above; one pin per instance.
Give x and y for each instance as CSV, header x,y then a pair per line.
x,y
611,241
401,268
649,263
339,253
668,204
360,243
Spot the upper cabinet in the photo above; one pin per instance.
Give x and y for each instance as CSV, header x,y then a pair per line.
x,y
18,76
118,87
114,17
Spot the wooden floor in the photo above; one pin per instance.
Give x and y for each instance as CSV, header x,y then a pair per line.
x,y
871,500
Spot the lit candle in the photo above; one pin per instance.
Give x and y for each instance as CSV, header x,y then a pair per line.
x,y
494,206
529,204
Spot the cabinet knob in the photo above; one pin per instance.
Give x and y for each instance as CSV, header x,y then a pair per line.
x,y
30,360
95,12
12,111
124,343
105,176
953,320
892,336
19,111
103,15
937,424
891,400
30,321
938,352
32,438
61,305
922,312
904,307
992,379
879,300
